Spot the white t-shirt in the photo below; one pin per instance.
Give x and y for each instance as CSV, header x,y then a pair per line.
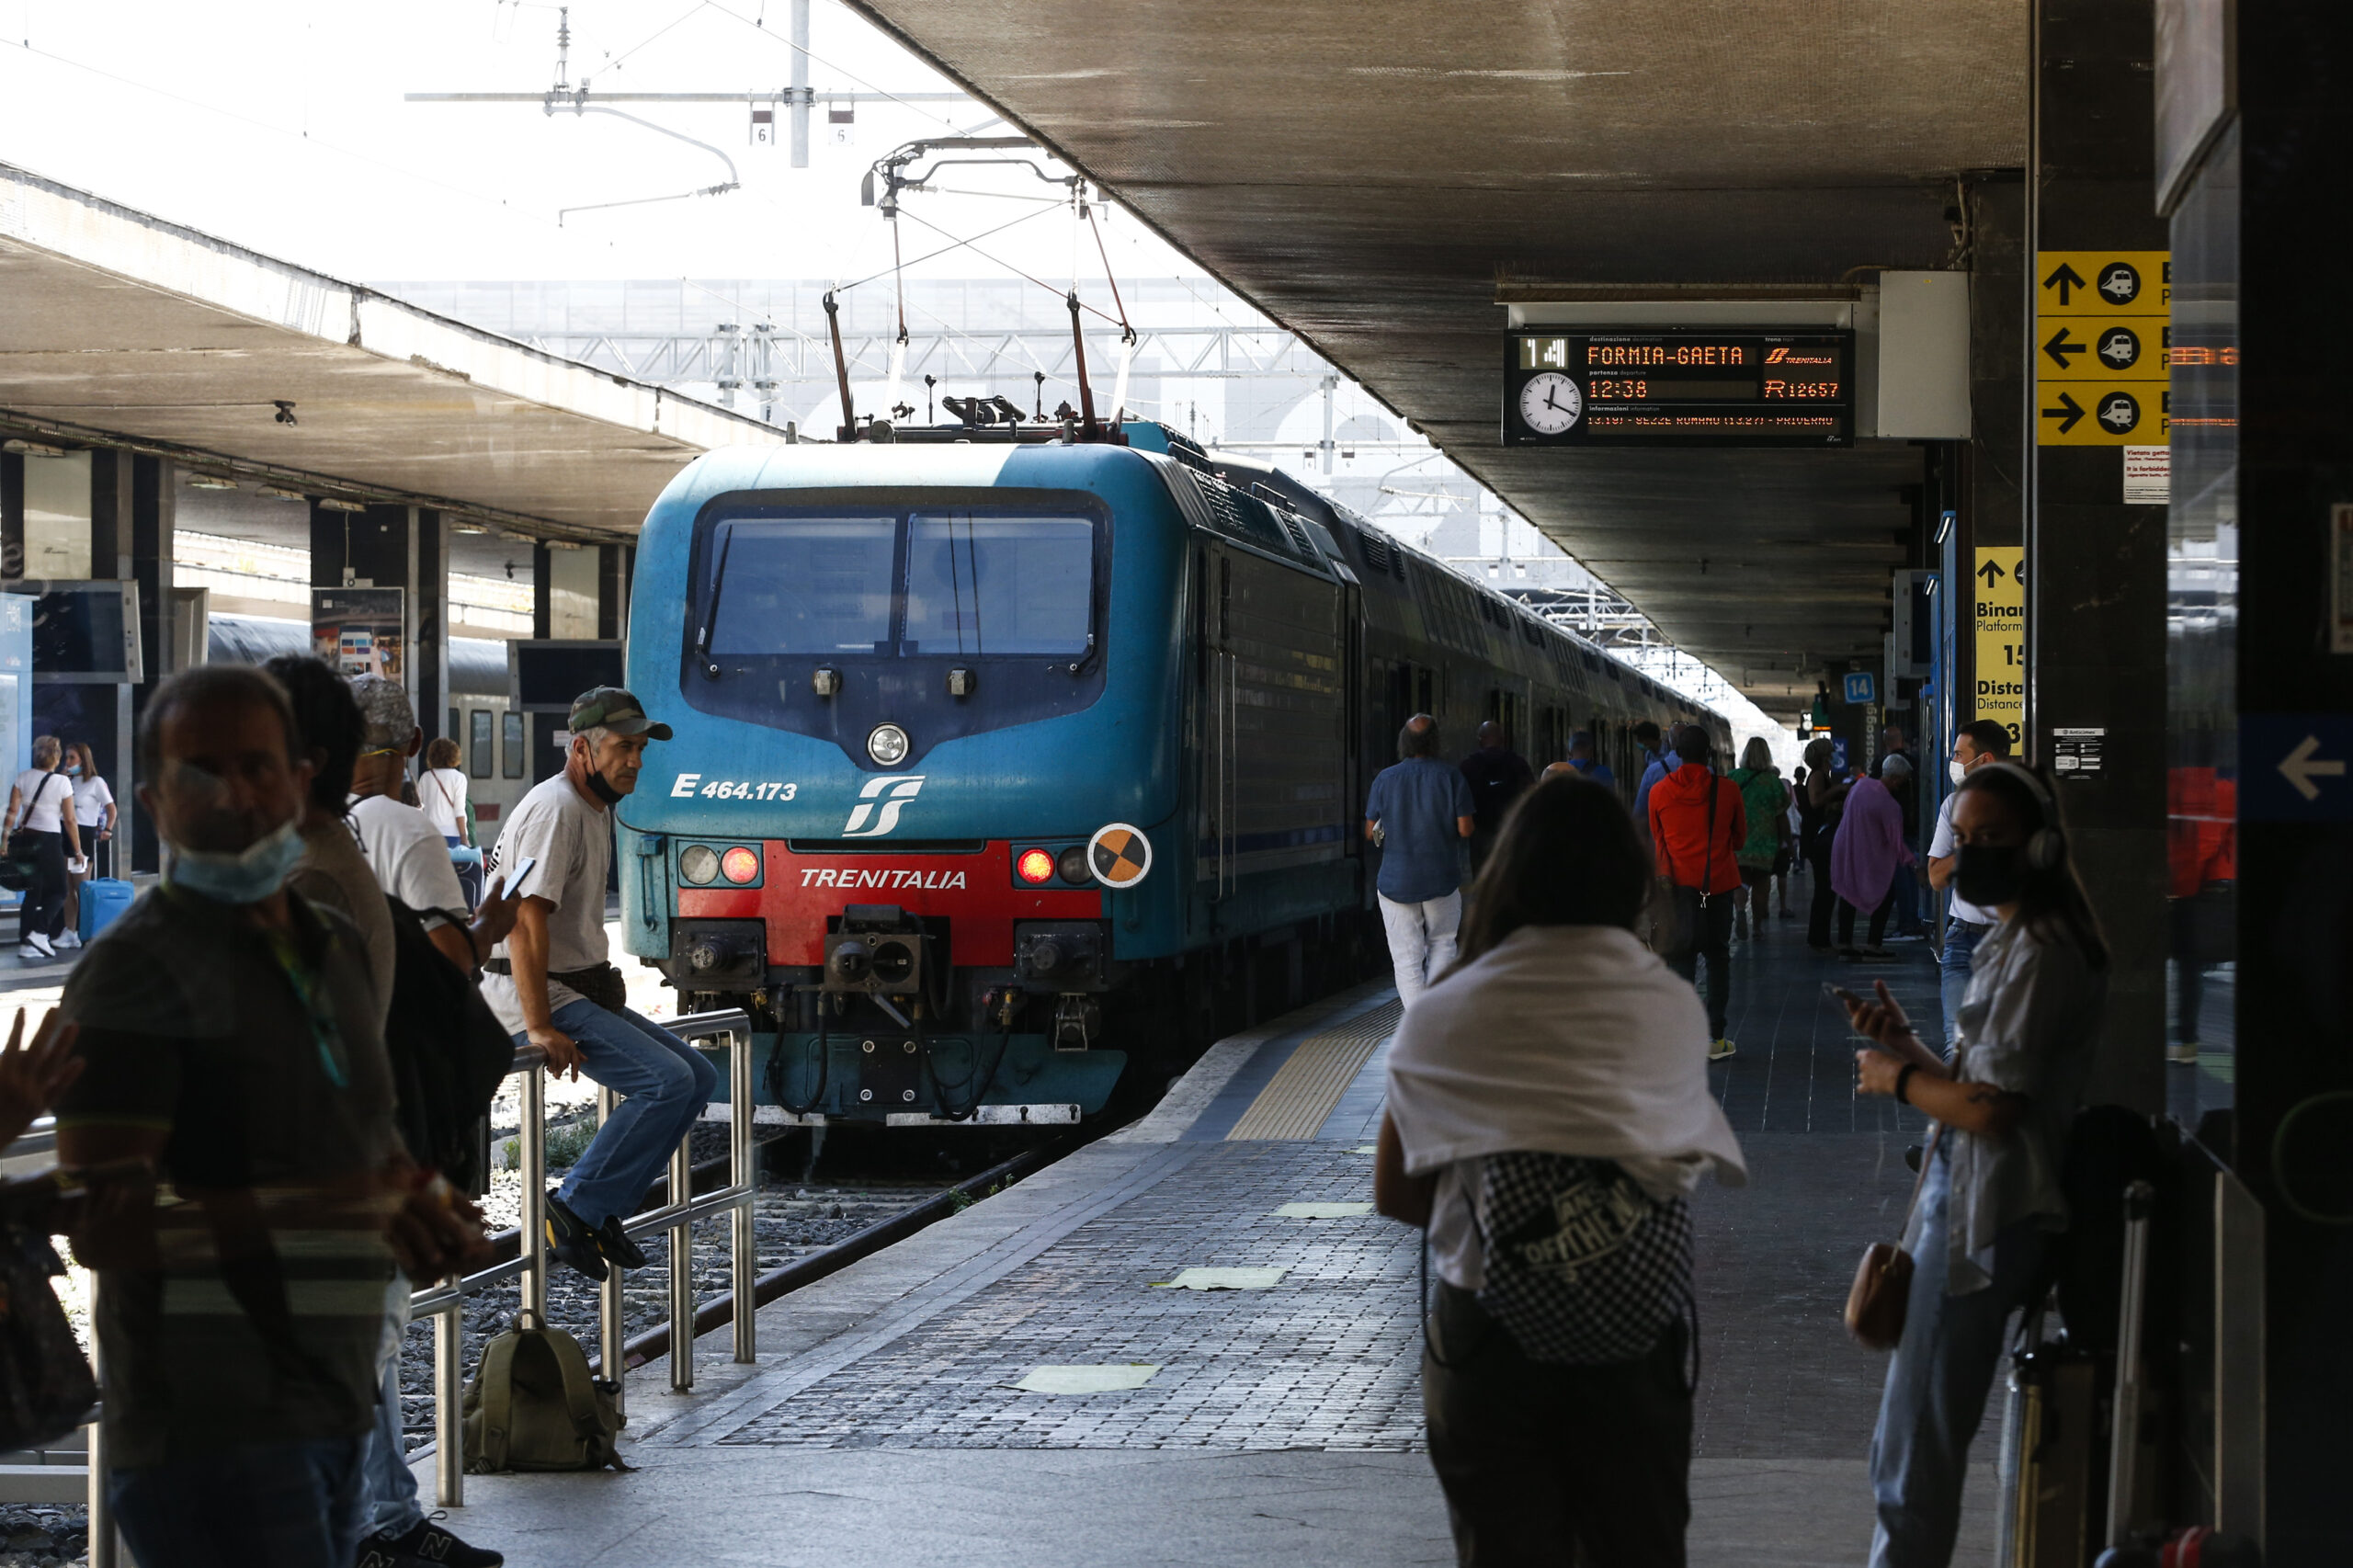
x,y
45,794
411,861
1941,845
91,799
571,838
441,791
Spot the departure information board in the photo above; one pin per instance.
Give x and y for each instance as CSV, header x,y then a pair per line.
x,y
1679,389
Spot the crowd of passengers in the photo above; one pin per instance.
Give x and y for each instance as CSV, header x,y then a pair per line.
x,y
248,1191
1549,1111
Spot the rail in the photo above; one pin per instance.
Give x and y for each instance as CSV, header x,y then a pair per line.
x,y
445,1299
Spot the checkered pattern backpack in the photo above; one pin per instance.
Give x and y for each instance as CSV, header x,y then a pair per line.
x,y
1583,1267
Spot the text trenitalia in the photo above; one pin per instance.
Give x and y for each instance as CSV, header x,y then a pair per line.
x,y
935,881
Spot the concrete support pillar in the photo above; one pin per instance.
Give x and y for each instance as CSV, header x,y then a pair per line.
x,y
616,563
428,683
152,497
2096,565
102,715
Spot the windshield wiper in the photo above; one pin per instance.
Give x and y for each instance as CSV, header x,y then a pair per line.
x,y
710,615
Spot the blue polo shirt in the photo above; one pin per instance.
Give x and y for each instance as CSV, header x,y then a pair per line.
x,y
1417,804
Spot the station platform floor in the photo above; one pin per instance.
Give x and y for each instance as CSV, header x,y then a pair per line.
x,y
1042,1380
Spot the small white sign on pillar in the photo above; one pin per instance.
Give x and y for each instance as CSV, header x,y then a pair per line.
x,y
2148,476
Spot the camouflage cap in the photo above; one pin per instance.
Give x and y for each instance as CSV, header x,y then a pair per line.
x,y
391,719
611,708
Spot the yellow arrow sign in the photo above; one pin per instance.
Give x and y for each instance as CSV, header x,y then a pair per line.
x,y
2103,283
2081,348
2102,414
2102,347
1997,590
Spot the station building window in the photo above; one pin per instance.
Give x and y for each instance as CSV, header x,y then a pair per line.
x,y
481,759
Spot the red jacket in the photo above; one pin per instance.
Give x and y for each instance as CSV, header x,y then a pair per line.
x,y
1679,829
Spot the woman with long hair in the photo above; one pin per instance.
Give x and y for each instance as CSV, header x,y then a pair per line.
x,y
1989,1203
94,814
441,795
1826,798
40,808
1767,800
1549,1115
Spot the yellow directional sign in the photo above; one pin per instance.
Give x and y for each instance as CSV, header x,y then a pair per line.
x,y
1998,590
2102,325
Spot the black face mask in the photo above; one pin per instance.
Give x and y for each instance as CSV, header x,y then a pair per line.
x,y
602,791
1987,876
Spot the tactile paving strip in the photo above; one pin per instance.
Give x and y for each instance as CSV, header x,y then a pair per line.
x,y
1308,1086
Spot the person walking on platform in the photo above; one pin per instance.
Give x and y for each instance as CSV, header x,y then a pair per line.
x,y
1982,1230
553,984
1826,794
441,796
1656,765
1766,800
1965,924
1865,857
94,814
1582,758
1496,775
230,1036
40,809
1697,825
1905,785
1548,1099
1418,811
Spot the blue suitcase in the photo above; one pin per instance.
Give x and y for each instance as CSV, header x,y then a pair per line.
x,y
103,898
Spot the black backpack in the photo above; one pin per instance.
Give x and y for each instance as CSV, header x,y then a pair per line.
x,y
448,1052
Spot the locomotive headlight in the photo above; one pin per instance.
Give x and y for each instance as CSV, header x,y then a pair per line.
x,y
1034,867
739,864
888,746
700,864
1073,867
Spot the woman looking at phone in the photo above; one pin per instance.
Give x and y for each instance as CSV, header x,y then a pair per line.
x,y
1989,1203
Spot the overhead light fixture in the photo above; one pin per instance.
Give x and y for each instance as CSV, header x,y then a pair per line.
x,y
469,529
279,493
210,482
337,504
31,450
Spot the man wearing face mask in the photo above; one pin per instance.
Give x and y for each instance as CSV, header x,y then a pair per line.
x,y
552,985
231,1036
1965,923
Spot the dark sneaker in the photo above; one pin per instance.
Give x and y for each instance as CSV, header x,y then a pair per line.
x,y
618,1247
570,1239
426,1542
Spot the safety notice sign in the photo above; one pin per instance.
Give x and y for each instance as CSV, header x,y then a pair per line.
x,y
1998,589
2101,360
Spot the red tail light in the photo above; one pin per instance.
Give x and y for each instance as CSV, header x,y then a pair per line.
x,y
739,864
1034,867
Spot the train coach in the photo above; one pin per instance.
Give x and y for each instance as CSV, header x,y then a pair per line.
x,y
1010,772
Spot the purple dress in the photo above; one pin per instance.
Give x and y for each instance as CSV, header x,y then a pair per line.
x,y
1870,845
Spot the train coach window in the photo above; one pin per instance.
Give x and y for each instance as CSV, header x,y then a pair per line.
x,y
802,586
984,584
481,759
511,744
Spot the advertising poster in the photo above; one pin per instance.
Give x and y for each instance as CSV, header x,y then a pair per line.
x,y
360,631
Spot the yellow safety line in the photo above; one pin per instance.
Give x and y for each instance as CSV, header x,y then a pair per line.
x,y
1307,1087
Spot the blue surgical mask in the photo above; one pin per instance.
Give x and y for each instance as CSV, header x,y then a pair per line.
x,y
241,876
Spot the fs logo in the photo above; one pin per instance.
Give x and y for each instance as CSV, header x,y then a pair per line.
x,y
880,799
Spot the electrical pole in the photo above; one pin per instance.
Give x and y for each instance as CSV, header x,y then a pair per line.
x,y
801,94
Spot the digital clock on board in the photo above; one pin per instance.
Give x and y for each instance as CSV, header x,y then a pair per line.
x,y
1730,388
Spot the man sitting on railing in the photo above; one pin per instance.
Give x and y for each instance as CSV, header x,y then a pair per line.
x,y
553,984
232,1048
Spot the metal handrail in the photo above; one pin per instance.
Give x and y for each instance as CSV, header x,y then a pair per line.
x,y
445,1299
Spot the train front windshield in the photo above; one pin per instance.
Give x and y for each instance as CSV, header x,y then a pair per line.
x,y
917,584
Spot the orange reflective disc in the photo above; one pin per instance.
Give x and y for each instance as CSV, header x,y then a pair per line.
x,y
1118,856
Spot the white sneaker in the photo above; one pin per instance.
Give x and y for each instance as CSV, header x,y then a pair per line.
x,y
31,954
68,939
38,945
1720,1050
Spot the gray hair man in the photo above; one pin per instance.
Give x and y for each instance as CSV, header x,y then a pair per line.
x,y
1418,811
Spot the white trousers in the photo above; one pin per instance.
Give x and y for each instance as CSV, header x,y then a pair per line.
x,y
1421,940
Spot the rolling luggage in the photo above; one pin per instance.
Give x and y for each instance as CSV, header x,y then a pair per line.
x,y
2051,1443
103,899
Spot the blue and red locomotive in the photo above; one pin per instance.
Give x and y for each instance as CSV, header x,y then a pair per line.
x,y
1009,768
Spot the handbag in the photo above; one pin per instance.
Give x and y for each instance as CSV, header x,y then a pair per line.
x,y
19,863
45,1389
1686,907
1881,1293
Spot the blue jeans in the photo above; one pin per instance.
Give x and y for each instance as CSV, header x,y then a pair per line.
x,y
664,1085
289,1504
390,1490
1936,1383
1952,973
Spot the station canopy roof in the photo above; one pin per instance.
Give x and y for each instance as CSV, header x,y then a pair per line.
x,y
1380,175
118,327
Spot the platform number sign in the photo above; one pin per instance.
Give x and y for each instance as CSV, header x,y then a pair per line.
x,y
1998,592
1861,687
2102,350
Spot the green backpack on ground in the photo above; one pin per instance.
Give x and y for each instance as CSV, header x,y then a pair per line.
x,y
533,1406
